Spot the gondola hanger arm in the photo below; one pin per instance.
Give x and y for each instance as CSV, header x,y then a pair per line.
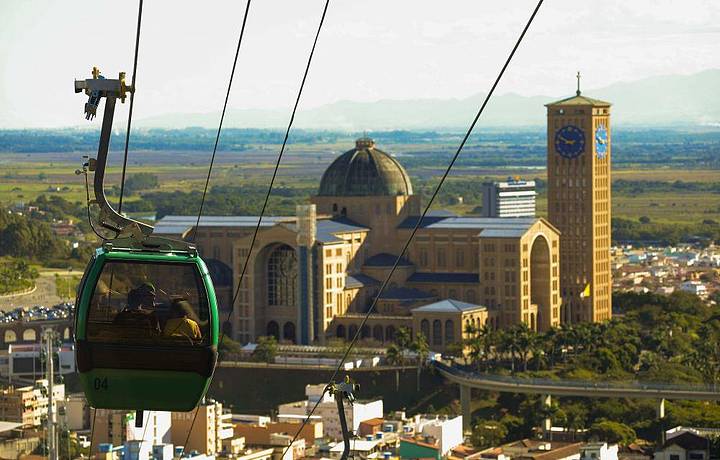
x,y
96,88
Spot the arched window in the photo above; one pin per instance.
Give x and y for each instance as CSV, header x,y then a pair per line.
x,y
352,331
282,276
340,331
348,300
449,332
273,330
10,336
390,333
437,332
425,328
378,333
29,335
343,212
335,208
66,333
365,332
289,331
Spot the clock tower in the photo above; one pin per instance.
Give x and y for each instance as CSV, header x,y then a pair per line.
x,y
578,170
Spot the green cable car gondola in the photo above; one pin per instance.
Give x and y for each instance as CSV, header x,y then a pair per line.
x,y
146,320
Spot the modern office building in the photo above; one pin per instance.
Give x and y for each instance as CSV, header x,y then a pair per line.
x,y
511,198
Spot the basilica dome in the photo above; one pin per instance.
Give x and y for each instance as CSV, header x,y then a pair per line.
x,y
365,171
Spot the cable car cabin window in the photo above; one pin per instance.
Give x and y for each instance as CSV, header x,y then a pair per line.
x,y
149,303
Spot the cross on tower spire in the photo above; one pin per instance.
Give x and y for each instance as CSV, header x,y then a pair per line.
x,y
578,84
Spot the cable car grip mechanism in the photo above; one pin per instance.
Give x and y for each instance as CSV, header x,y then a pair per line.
x,y
96,88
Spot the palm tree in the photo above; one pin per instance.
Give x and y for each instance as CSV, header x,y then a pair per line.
x,y
421,347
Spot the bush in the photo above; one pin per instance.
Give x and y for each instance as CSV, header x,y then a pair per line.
x,y
612,432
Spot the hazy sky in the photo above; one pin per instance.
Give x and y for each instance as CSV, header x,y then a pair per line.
x,y
368,50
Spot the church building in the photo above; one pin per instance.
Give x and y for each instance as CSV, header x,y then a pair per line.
x,y
312,276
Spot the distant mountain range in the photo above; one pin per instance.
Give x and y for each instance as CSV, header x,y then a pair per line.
x,y
673,100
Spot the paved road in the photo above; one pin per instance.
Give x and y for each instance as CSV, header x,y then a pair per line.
x,y
576,388
44,294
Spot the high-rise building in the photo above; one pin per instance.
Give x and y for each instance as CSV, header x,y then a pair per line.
x,y
512,198
578,164
29,405
210,427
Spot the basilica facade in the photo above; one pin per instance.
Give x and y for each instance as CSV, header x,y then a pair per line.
x,y
311,277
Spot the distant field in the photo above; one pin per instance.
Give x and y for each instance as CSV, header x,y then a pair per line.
x,y
24,177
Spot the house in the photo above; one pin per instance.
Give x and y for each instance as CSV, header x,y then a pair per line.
x,y
533,449
599,451
685,446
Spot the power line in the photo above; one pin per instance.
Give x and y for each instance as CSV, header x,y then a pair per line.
x,y
222,118
422,217
132,103
270,187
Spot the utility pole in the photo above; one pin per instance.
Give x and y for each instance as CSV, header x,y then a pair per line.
x,y
51,441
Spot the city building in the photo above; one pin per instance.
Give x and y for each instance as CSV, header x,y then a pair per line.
x,y
448,432
116,428
259,435
578,164
312,276
684,446
28,405
533,449
355,413
77,412
212,426
512,198
24,360
694,287
599,451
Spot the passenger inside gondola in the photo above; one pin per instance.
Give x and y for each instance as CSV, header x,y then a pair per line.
x,y
183,321
139,315
149,304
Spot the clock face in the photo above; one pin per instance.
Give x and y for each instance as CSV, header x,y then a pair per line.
x,y
601,141
570,141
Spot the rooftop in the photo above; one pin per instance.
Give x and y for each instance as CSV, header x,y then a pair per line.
x,y
178,225
483,224
365,171
326,229
579,99
449,306
358,280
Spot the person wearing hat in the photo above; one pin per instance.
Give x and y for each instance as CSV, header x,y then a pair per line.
x,y
139,315
183,322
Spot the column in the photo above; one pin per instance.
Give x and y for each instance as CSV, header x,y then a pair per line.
x,y
306,225
547,423
465,395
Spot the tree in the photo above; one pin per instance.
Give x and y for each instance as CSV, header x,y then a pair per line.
x,y
394,355
488,433
422,349
266,349
140,181
612,432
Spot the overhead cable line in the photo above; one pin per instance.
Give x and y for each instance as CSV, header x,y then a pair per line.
x,y
132,103
222,118
270,186
420,220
